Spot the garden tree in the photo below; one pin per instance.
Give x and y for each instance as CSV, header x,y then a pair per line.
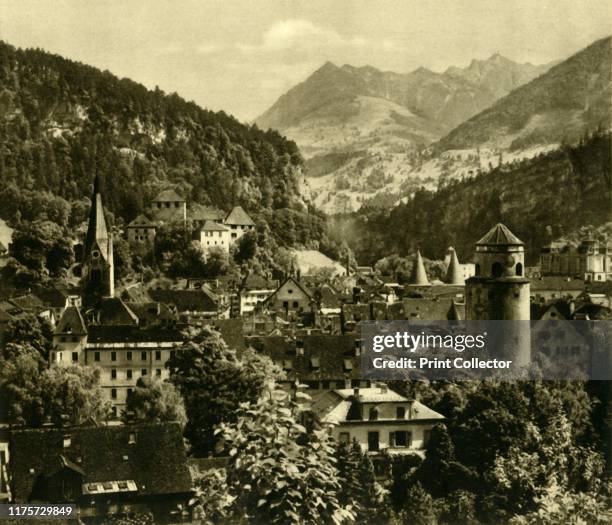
x,y
155,401
418,507
439,467
21,394
547,459
358,485
495,416
555,505
42,246
212,501
213,383
247,247
30,330
278,472
459,508
402,469
217,263
73,396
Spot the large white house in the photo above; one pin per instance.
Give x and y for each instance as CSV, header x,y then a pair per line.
x,y
378,418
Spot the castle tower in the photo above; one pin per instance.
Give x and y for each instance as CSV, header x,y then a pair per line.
x,y
418,276
98,272
454,273
500,291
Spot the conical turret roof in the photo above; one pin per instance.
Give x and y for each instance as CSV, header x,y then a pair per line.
x,y
500,235
418,275
454,275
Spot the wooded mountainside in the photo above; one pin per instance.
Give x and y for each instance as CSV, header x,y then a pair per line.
x,y
539,199
62,122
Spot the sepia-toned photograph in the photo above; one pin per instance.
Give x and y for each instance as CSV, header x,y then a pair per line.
x,y
307,262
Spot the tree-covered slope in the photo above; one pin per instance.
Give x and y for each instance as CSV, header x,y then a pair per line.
x,y
539,199
62,122
570,98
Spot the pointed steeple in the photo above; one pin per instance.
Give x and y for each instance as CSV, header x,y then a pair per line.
x,y
97,232
453,272
418,275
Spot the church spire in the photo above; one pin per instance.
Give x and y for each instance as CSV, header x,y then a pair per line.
x,y
418,275
453,272
97,232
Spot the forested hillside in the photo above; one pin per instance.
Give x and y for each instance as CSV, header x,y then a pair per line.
x,y
538,199
62,122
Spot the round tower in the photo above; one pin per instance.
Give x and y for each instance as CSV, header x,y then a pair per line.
x,y
499,290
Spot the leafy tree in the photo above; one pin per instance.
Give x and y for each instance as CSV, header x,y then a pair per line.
x,y
247,247
213,503
359,487
30,330
279,472
21,393
73,395
419,507
213,383
42,246
154,400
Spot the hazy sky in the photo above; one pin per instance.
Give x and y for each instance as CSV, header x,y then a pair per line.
x,y
240,55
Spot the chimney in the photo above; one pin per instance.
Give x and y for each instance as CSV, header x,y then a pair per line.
x,y
356,392
383,388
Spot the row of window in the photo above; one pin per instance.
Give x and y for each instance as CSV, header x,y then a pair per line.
x,y
129,374
397,439
144,355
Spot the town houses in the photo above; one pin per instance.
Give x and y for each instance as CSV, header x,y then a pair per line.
x,y
308,325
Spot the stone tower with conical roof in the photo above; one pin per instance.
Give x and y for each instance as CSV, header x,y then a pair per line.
x,y
418,275
499,290
98,272
454,273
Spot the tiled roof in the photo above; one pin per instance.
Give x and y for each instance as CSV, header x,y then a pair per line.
x,y
239,217
168,196
499,235
324,356
112,311
141,222
128,334
28,302
255,281
71,322
426,309
212,226
156,461
185,300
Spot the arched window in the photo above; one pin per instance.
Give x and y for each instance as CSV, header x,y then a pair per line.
x,y
519,269
497,269
477,269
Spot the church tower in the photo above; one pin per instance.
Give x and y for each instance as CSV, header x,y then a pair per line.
x,y
98,275
499,290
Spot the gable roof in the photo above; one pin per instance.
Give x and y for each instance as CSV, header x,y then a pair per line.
x,y
141,222
499,235
168,196
71,322
211,226
286,281
239,217
112,311
255,281
156,461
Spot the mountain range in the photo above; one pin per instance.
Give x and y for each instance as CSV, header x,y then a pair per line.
x,y
373,137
